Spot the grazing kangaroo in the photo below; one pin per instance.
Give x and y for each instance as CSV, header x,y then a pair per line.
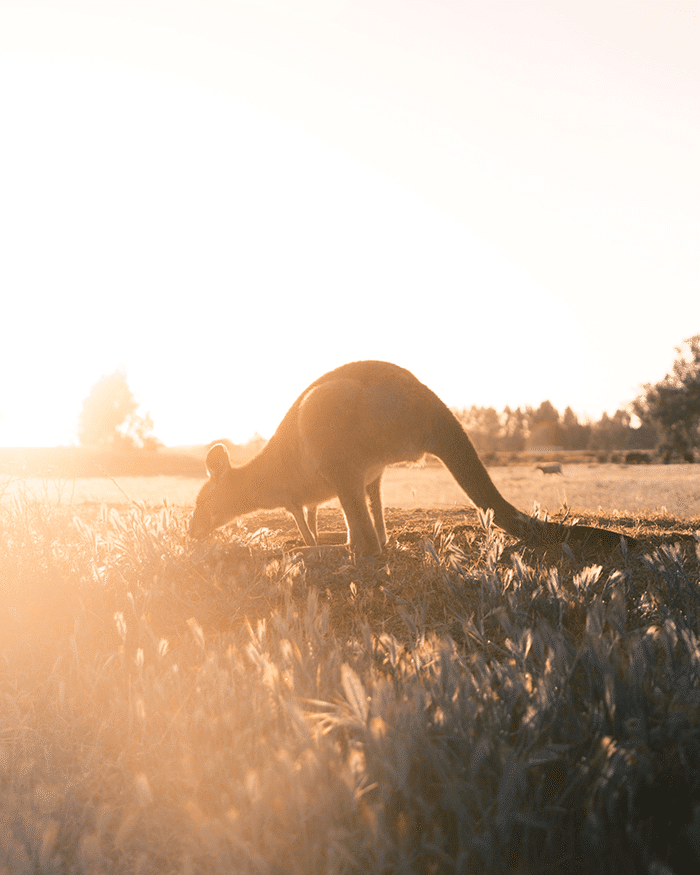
x,y
549,468
336,440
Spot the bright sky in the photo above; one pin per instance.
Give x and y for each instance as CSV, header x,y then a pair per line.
x,y
227,198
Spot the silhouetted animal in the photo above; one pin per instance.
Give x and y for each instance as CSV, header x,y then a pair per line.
x,y
549,468
336,440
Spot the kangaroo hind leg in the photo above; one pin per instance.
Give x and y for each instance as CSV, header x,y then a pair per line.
x,y
361,531
374,493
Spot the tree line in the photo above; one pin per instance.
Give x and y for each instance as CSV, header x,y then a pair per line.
x,y
511,431
664,418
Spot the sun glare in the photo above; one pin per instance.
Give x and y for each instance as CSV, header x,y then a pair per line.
x,y
228,203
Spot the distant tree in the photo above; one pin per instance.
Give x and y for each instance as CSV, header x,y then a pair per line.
x,y
483,425
109,417
672,405
574,434
546,412
611,432
513,431
643,436
543,426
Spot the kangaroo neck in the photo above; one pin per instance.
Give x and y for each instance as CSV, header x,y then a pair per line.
x,y
263,479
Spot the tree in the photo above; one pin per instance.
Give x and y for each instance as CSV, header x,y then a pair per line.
x,y
543,427
546,412
672,405
574,434
483,426
514,429
611,432
109,417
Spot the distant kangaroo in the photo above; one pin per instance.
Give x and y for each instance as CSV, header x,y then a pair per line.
x,y
336,440
549,468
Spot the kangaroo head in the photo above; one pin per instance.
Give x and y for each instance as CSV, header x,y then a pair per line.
x,y
218,498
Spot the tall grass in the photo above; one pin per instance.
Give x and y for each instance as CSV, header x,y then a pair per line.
x,y
229,707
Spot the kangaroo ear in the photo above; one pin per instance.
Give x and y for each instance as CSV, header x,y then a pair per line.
x,y
218,462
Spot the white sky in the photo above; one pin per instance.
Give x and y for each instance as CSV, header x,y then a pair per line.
x,y
227,199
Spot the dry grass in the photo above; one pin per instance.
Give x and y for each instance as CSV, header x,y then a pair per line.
x,y
240,705
629,489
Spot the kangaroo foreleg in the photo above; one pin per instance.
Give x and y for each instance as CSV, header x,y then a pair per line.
x,y
311,520
309,536
361,531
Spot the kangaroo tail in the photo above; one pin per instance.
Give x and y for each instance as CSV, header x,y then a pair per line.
x,y
451,444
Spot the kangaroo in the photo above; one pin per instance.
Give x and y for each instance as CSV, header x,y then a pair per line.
x,y
549,468
335,441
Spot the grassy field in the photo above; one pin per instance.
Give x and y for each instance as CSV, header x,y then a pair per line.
x,y
628,489
243,705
